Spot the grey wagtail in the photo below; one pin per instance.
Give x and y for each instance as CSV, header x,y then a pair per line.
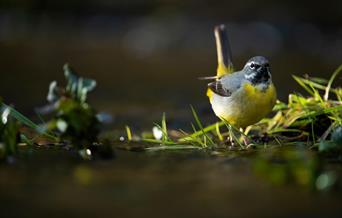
x,y
244,97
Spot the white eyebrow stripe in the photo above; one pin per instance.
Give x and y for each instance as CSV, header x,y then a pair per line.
x,y
249,63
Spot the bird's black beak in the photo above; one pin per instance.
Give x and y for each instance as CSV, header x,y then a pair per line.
x,y
264,70
264,73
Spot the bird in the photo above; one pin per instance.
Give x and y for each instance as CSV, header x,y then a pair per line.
x,y
244,97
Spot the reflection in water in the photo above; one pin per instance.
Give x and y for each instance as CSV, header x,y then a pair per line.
x,y
296,166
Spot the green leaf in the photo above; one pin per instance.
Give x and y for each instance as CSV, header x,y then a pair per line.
x,y
301,82
128,133
26,121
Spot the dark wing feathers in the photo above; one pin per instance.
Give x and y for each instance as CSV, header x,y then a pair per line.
x,y
217,88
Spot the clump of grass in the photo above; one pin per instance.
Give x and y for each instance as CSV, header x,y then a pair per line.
x,y
309,119
161,138
164,140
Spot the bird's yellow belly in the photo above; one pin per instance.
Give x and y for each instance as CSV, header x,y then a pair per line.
x,y
246,106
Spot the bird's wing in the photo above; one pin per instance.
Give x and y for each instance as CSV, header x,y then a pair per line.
x,y
217,88
228,84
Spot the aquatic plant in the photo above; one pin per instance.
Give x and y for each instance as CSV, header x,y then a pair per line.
x,y
73,119
73,122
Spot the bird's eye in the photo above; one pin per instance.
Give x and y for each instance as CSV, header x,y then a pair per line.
x,y
252,66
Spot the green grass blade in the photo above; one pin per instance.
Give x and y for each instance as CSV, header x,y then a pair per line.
x,y
302,84
199,124
164,128
128,133
193,140
218,132
27,122
332,78
207,129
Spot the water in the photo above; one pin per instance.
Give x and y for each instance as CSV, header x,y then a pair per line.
x,y
57,183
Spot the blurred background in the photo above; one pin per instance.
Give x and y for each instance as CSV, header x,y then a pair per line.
x,y
146,55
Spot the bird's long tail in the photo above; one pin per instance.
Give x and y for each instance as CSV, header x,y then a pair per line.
x,y
224,54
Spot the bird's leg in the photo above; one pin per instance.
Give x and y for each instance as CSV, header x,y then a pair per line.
x,y
245,140
238,137
231,138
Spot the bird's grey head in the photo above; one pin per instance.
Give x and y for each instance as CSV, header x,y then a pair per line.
x,y
257,70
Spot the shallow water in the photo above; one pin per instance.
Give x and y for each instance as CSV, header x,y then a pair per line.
x,y
55,183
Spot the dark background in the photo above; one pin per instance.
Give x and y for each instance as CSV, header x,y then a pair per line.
x,y
147,55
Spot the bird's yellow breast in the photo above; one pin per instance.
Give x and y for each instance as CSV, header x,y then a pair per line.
x,y
246,106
